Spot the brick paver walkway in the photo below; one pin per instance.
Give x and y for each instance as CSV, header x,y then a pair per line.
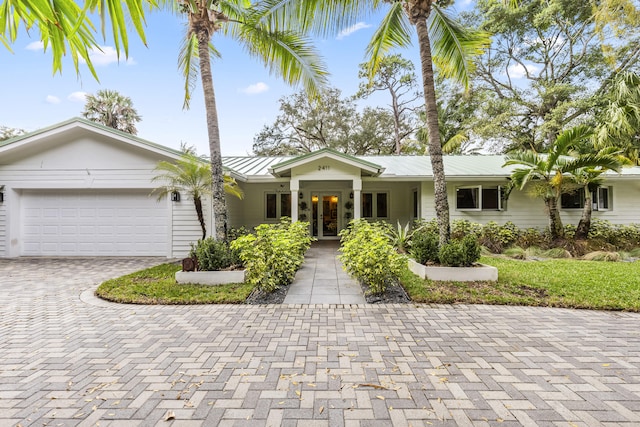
x,y
68,359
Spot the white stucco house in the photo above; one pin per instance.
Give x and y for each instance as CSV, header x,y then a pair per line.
x,y
81,189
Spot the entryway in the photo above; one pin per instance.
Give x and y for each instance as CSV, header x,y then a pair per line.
x,y
325,215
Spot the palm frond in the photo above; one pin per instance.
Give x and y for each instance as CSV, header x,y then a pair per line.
x,y
455,143
454,46
189,66
394,31
287,54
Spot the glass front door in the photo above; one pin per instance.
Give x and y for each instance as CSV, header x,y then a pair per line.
x,y
325,215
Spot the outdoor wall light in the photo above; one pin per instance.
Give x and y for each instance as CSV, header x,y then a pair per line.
x,y
301,195
1,193
175,196
351,195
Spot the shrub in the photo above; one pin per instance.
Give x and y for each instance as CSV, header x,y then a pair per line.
x,y
368,255
602,256
274,253
463,227
424,246
460,253
214,255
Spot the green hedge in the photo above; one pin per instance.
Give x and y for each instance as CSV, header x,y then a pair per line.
x,y
368,254
273,254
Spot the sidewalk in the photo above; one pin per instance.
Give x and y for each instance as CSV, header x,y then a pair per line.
x,y
321,279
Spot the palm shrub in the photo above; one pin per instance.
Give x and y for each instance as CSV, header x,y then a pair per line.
x,y
368,254
214,255
273,254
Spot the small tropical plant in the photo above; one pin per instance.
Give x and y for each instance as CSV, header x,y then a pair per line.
x,y
401,236
191,175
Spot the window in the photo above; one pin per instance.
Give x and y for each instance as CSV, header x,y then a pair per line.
x,y
416,202
277,205
476,198
600,199
381,205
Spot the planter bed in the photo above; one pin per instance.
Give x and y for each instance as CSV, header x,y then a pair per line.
x,y
477,273
210,277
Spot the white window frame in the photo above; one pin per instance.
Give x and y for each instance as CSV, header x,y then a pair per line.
x,y
596,202
278,204
374,204
479,188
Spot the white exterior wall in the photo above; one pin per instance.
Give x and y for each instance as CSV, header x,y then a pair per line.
x,y
526,211
185,225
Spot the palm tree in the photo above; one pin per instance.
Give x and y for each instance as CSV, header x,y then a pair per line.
x,y
285,52
549,172
110,108
65,26
590,178
191,175
441,40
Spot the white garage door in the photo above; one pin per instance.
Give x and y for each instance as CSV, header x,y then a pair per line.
x,y
95,222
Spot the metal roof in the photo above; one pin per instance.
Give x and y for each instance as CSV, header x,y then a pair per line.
x,y
471,166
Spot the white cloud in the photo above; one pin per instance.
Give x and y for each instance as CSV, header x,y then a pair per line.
x,y
352,29
518,71
35,46
106,55
77,96
51,99
255,89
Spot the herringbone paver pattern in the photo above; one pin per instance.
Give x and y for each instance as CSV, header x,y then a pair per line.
x,y
67,359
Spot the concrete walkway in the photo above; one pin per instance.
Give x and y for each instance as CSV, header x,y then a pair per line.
x,y
69,359
321,279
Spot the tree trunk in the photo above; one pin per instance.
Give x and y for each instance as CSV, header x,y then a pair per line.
x,y
396,120
582,231
197,201
556,229
435,149
213,130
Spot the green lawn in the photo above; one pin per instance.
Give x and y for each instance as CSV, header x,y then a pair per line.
x,y
558,283
157,285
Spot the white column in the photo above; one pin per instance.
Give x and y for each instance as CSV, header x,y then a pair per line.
x,y
357,200
294,186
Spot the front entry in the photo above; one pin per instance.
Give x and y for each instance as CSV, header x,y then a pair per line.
x,y
325,213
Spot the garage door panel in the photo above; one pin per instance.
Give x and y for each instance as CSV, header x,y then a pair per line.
x,y
107,222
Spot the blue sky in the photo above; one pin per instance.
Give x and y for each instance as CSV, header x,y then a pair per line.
x,y
247,95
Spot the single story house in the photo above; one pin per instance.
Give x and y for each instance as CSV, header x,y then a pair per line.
x,y
81,189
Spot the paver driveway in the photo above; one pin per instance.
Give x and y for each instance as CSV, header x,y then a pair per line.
x,y
69,359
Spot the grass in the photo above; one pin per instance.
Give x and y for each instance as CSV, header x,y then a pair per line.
x,y
555,283
157,285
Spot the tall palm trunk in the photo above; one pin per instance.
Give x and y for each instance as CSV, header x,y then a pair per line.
x,y
197,201
582,231
435,149
556,229
213,130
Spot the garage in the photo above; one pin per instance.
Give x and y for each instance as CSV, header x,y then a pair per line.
x,y
93,223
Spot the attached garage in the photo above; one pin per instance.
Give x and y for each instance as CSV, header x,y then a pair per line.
x,y
93,223
82,189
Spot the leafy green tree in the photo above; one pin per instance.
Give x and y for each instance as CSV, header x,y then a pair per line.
x,y
285,52
110,108
192,175
549,173
328,121
8,133
396,76
441,39
548,67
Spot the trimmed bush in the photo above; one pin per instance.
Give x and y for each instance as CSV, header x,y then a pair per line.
x,y
460,253
214,255
368,255
424,247
274,253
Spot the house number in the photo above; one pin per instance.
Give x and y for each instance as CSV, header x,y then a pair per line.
x,y
324,168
